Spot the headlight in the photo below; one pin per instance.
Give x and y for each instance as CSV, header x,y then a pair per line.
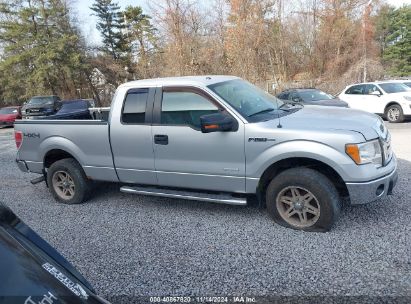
x,y
408,98
365,153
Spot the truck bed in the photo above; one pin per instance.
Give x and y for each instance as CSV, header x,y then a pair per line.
x,y
88,140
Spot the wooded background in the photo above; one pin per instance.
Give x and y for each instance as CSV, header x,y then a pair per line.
x,y
273,43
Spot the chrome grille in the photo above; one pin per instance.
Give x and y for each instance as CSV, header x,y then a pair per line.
x,y
387,148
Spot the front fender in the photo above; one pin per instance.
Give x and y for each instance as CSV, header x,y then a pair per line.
x,y
255,167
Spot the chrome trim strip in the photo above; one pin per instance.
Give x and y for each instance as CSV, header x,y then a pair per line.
x,y
96,167
225,199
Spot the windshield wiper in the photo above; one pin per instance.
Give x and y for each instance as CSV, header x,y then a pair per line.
x,y
289,105
261,112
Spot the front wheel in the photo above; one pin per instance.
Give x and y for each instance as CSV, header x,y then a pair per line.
x,y
394,114
303,199
68,182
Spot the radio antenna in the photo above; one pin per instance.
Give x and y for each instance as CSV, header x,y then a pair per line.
x,y
278,115
279,122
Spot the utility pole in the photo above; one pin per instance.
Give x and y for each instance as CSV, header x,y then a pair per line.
x,y
365,24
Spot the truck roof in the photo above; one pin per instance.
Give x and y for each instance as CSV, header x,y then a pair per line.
x,y
180,81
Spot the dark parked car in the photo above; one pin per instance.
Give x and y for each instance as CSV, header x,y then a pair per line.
x,y
8,115
72,109
311,97
41,106
31,271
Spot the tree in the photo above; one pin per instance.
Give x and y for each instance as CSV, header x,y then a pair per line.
x,y
394,31
182,36
141,38
41,50
110,24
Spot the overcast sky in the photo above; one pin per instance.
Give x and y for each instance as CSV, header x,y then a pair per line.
x,y
88,21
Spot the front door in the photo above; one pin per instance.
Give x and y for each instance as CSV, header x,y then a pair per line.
x,y
187,158
374,103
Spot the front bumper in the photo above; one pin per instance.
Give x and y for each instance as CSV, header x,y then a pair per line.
x,y
6,123
366,192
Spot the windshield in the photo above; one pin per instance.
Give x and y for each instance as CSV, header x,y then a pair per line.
x,y
314,95
246,98
8,111
392,87
41,100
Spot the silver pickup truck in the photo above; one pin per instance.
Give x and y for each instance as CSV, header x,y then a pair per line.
x,y
217,139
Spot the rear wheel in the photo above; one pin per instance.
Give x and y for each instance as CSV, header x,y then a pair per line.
x,y
303,199
68,182
394,114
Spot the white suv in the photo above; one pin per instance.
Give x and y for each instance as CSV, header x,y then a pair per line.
x,y
389,99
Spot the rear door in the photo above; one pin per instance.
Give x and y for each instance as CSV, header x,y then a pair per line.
x,y
187,158
131,138
354,96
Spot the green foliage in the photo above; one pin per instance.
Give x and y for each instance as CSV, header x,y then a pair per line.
x,y
141,38
41,50
110,24
394,32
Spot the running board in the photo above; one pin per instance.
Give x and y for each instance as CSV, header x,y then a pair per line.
x,y
186,195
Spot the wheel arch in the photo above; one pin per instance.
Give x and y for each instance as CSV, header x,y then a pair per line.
x,y
295,162
54,155
391,103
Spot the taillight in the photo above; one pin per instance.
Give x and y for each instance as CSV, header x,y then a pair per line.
x,y
18,137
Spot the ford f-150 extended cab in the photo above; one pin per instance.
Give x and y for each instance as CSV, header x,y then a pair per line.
x,y
217,139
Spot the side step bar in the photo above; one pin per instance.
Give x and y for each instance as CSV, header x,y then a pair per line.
x,y
186,195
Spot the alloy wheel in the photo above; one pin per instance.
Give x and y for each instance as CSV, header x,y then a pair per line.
x,y
393,114
298,206
63,184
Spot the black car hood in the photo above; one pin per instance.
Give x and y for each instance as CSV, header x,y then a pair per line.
x,y
336,102
31,271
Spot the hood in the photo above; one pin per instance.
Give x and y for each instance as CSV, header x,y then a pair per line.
x,y
37,105
4,117
37,273
399,96
336,102
336,118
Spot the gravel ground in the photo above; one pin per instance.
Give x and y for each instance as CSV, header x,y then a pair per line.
x,y
141,246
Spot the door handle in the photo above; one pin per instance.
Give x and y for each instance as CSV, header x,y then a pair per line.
x,y
161,139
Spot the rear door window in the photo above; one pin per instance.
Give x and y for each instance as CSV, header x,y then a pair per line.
x,y
134,109
356,90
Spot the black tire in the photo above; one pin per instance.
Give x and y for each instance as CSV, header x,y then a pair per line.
x,y
326,199
394,118
81,185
